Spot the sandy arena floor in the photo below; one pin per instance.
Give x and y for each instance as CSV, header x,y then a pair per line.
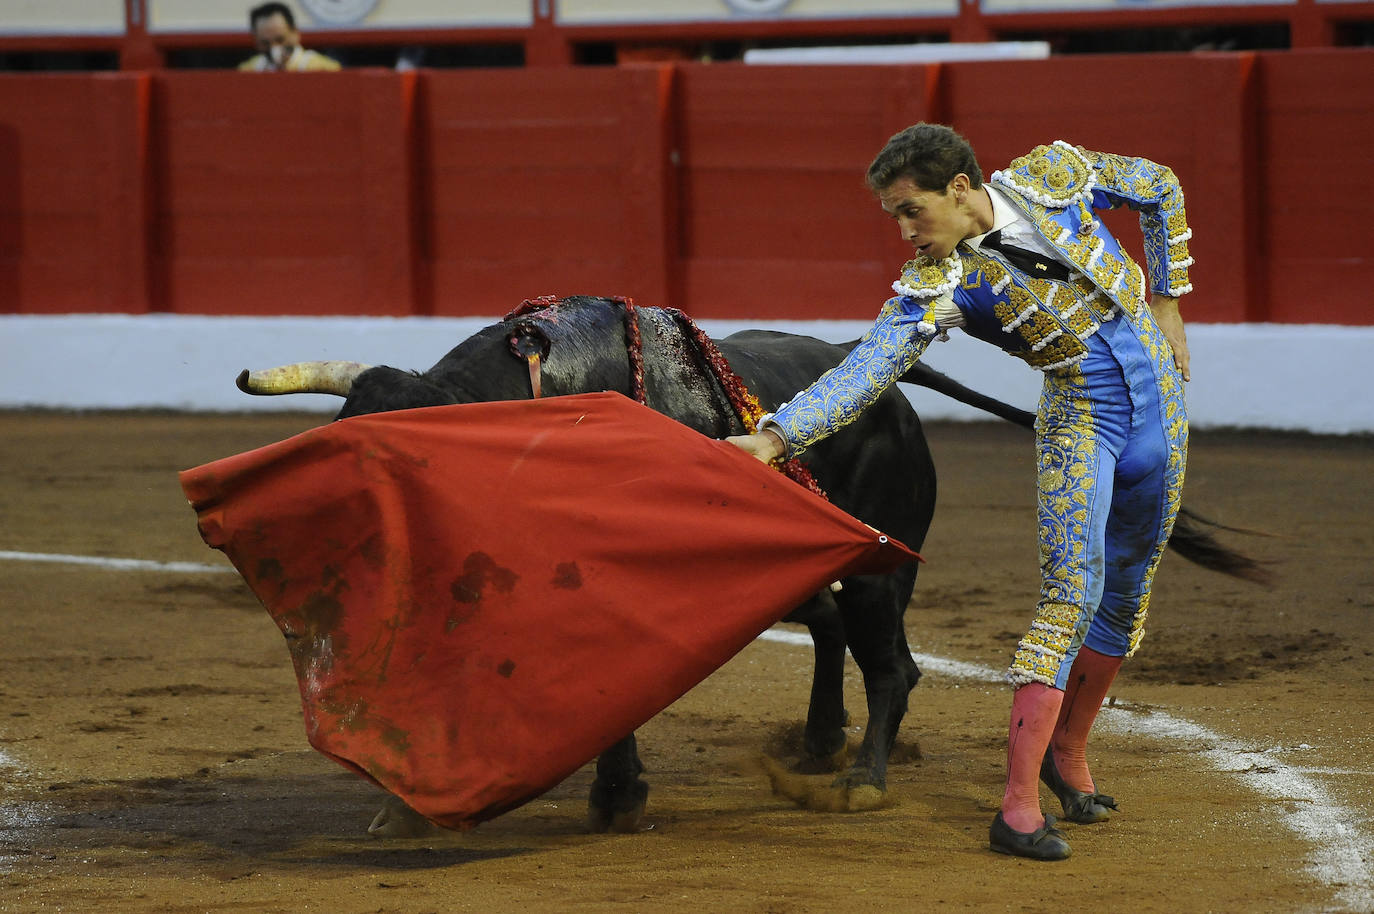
x,y
152,756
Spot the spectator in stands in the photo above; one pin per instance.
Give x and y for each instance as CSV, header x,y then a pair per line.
x,y
1022,262
279,44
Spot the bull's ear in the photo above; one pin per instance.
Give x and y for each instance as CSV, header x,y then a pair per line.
x,y
383,389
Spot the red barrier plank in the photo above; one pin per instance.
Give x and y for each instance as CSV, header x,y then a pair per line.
x,y
1174,109
777,221
1316,137
286,193
73,193
536,186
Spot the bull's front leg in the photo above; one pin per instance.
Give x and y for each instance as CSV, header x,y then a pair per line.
x,y
872,622
618,794
878,644
826,718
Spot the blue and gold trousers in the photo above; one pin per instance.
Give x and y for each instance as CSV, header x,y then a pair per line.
x,y
1111,447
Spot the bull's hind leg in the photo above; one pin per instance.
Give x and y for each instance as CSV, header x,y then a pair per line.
x,y
618,795
873,628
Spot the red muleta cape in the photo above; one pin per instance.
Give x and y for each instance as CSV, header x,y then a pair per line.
x,y
479,599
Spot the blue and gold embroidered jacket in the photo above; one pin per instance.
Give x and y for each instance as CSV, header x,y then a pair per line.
x,y
1056,188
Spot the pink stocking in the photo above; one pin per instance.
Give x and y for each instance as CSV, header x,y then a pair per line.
x,y
1089,679
1034,709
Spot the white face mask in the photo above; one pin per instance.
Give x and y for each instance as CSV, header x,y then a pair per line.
x,y
280,53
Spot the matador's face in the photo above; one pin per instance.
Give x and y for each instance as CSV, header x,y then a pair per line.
x,y
931,221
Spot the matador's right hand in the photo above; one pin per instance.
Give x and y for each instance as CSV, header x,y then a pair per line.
x,y
766,445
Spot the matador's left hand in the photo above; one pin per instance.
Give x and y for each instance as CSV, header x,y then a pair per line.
x,y
1165,308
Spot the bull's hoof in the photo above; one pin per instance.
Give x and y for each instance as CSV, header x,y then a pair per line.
x,y
822,794
397,820
618,809
603,820
825,764
861,791
865,797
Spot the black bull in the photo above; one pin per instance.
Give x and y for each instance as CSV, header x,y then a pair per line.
x,y
878,469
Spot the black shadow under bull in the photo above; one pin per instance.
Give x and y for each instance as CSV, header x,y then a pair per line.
x,y
878,469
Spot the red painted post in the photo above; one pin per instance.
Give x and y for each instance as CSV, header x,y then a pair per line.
x,y
915,95
1224,190
650,183
970,26
1309,26
546,46
122,110
1316,130
387,156
137,52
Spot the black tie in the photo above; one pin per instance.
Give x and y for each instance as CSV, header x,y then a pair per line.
x,y
1028,262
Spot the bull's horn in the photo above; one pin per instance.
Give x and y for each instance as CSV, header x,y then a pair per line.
x,y
302,378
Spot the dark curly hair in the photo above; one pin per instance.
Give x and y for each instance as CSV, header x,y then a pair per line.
x,y
929,154
268,10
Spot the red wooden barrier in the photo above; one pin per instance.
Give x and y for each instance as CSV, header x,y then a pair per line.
x,y
536,185
1316,245
1189,112
285,193
777,222
73,194
726,190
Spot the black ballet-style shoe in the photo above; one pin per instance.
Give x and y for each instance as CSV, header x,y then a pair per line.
x,y
1045,843
1084,808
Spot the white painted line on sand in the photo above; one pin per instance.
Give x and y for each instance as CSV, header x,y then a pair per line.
x,y
115,564
1344,854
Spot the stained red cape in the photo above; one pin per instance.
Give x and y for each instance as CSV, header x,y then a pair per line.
x,y
479,599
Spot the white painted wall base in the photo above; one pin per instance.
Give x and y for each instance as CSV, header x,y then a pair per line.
x,y
1313,378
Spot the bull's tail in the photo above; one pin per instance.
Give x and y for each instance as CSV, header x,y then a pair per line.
x,y
1192,540
923,375
1192,535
